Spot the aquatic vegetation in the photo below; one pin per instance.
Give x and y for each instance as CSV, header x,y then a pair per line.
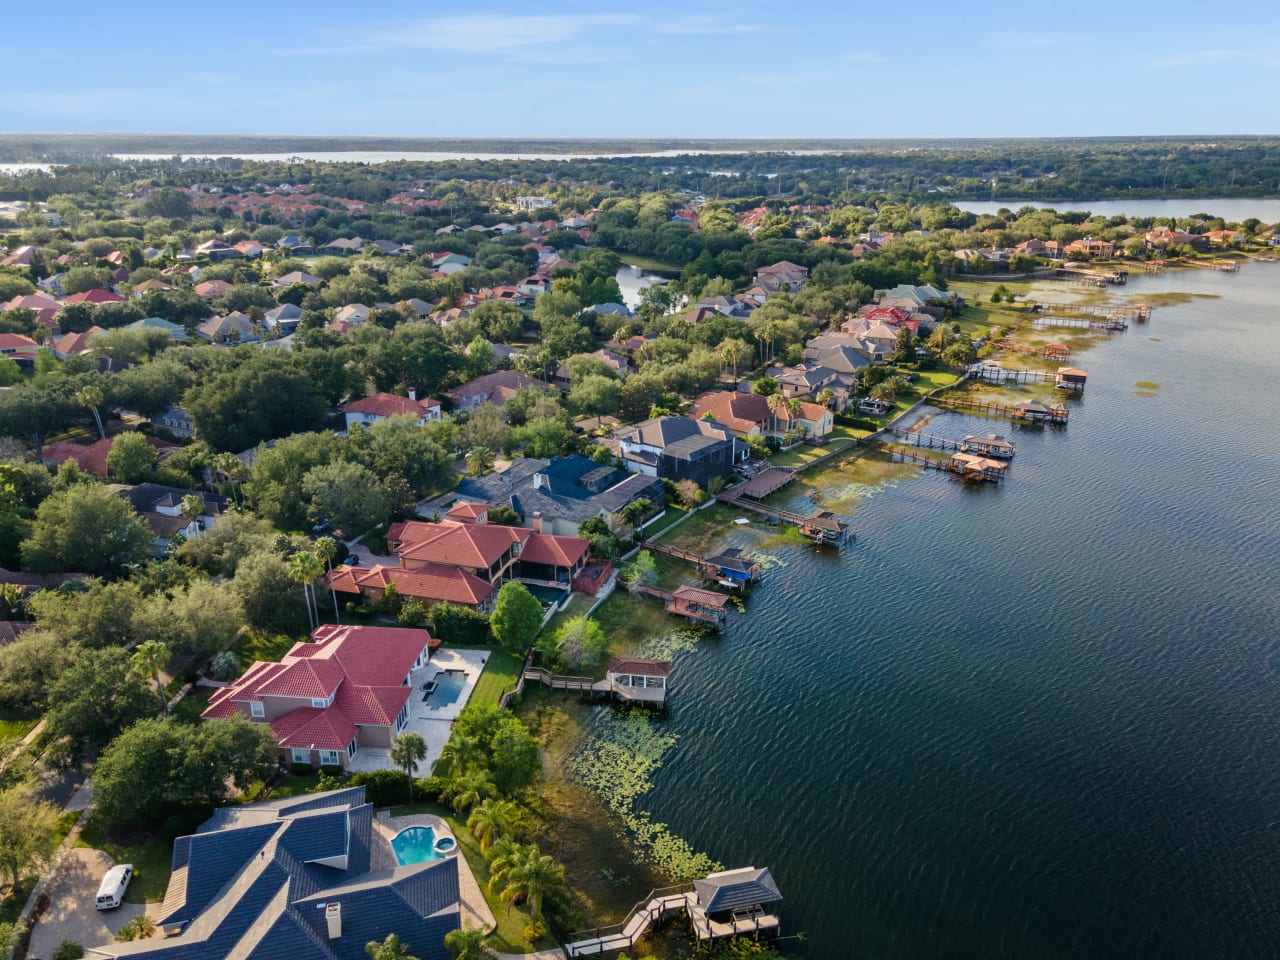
x,y
668,645
616,762
1146,385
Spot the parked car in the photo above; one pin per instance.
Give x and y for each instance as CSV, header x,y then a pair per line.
x,y
114,884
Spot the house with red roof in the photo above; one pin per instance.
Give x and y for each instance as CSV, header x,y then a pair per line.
x,y
94,296
488,551
17,347
379,406
211,289
43,305
345,689
429,584
22,257
70,344
90,457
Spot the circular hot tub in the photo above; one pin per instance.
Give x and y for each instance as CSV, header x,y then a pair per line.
x,y
445,847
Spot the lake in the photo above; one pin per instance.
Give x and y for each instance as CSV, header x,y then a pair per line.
x,y
631,280
1234,210
1032,721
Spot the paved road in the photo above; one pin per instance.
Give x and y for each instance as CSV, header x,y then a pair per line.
x,y
72,914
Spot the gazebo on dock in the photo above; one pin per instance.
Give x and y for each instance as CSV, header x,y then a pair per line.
x,y
734,902
696,604
1071,378
631,678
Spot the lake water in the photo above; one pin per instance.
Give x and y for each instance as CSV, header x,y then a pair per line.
x,y
1033,721
1235,210
631,280
421,156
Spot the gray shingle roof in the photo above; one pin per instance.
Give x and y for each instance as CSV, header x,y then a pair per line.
x,y
734,889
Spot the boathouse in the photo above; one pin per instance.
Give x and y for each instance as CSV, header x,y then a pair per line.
x,y
733,902
732,568
992,445
696,604
633,679
972,467
1032,411
1070,378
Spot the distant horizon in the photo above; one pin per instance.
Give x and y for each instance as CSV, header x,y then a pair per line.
x,y
695,68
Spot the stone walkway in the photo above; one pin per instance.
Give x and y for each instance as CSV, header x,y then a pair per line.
x,y
475,909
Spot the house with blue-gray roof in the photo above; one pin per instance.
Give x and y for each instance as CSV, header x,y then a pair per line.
x,y
291,879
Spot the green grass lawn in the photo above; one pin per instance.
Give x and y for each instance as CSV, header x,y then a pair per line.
x,y
664,522
805,453
579,604
189,708
509,935
151,859
14,727
254,645
500,673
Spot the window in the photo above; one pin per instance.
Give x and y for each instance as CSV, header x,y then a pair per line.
x,y
256,709
351,747
328,758
301,755
319,702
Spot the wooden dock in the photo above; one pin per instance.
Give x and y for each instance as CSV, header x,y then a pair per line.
x,y
648,696
1110,324
1133,312
997,448
714,568
692,603
1050,352
1026,412
821,527
965,466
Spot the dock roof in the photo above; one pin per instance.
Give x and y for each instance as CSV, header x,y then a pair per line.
x,y
734,889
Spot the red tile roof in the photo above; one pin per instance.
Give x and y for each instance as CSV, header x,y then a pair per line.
x,y
464,511
17,343
308,677
554,551
94,296
314,729
740,412
72,343
390,405
457,544
431,581
92,457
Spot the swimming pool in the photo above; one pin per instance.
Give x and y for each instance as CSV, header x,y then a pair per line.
x,y
446,690
415,845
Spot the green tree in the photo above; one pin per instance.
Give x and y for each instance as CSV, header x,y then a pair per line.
x,y
467,945
268,593
86,528
407,751
266,396
466,790
516,617
32,412
28,833
491,820
389,949
596,395
91,397
94,614
513,762
225,666
306,568
643,572
28,668
524,871
149,658
479,461
327,549
140,927
347,494
97,696
580,641
131,459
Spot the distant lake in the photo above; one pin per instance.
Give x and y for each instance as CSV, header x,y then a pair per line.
x,y
422,156
25,167
1236,210
631,280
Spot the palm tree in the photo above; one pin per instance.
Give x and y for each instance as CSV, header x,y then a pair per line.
x,y
825,396
490,820
327,547
458,754
776,402
224,666
192,506
306,568
389,949
406,752
467,790
467,945
91,397
479,460
13,601
148,659
233,468
525,872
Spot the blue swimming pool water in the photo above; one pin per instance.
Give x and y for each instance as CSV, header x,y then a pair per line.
x,y
448,688
414,845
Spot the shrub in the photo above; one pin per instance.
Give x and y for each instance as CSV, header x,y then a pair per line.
x,y
382,788
67,950
534,931
454,624
330,771
412,614
301,769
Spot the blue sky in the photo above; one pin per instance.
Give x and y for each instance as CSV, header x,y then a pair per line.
x,y
699,68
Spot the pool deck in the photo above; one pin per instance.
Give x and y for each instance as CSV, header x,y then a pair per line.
x,y
433,724
475,910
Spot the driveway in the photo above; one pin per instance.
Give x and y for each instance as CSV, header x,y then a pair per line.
x,y
369,559
72,914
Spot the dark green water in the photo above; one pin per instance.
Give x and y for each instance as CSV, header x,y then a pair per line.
x,y
1037,721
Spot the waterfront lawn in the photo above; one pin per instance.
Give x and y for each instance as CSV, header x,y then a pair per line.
x,y
669,517
703,532
509,935
628,621
500,673
579,604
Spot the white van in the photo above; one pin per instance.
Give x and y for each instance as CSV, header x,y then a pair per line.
x,y
114,884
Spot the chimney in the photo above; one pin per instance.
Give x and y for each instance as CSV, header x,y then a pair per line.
x,y
413,394
540,481
536,521
333,917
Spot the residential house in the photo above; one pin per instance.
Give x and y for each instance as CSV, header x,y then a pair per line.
x,y
44,306
72,344
235,327
497,387
216,251
352,314
176,332
842,352
429,584
534,203
295,245
560,494
489,551
1165,237
177,421
1088,248
296,276
808,421
294,877
346,688
16,347
532,286
616,362
783,275
23,256
165,509
94,296
379,406
89,457
250,248
284,318
744,414
681,448
389,248
343,246
807,380
211,289
156,286
1224,238
448,263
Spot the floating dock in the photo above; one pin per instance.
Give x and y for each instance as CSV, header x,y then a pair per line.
x,y
1027,412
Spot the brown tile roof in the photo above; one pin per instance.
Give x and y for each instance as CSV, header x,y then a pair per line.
x,y
390,405
553,550
640,668
92,457
738,411
431,581
462,544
